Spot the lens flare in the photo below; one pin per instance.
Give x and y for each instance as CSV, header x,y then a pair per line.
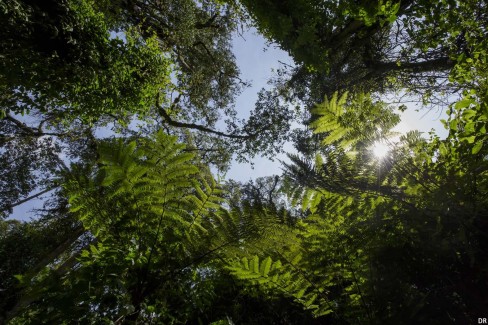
x,y
380,149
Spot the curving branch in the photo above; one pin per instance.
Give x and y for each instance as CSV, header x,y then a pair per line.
x,y
36,132
199,127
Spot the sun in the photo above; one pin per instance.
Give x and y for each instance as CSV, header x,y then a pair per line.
x,y
380,149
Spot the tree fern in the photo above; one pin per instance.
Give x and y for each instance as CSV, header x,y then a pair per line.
x,y
348,123
151,182
150,212
206,200
287,278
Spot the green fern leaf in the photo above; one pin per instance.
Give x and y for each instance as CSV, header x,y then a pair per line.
x,y
266,266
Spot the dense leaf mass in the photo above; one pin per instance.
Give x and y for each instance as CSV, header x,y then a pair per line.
x,y
372,45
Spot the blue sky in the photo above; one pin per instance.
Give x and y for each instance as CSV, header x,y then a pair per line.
x,y
257,60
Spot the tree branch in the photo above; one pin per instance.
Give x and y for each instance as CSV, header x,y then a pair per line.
x,y
36,132
443,63
209,23
202,128
11,206
355,26
20,124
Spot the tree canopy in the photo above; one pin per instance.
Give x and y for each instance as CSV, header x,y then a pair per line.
x,y
373,45
113,111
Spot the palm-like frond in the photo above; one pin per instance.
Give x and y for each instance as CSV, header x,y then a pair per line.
x,y
349,123
287,278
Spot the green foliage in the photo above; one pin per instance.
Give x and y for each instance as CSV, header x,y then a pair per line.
x,y
288,279
373,46
161,62
384,240
196,37
27,247
156,226
138,208
348,124
278,21
399,225
59,57
384,12
20,159
143,233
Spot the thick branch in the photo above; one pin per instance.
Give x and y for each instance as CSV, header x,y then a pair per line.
x,y
270,194
182,61
19,124
36,132
377,70
342,35
31,197
202,128
205,48
439,64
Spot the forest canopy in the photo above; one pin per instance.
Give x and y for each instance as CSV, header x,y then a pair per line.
x,y
122,115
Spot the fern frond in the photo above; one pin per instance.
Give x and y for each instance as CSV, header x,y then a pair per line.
x,y
287,279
